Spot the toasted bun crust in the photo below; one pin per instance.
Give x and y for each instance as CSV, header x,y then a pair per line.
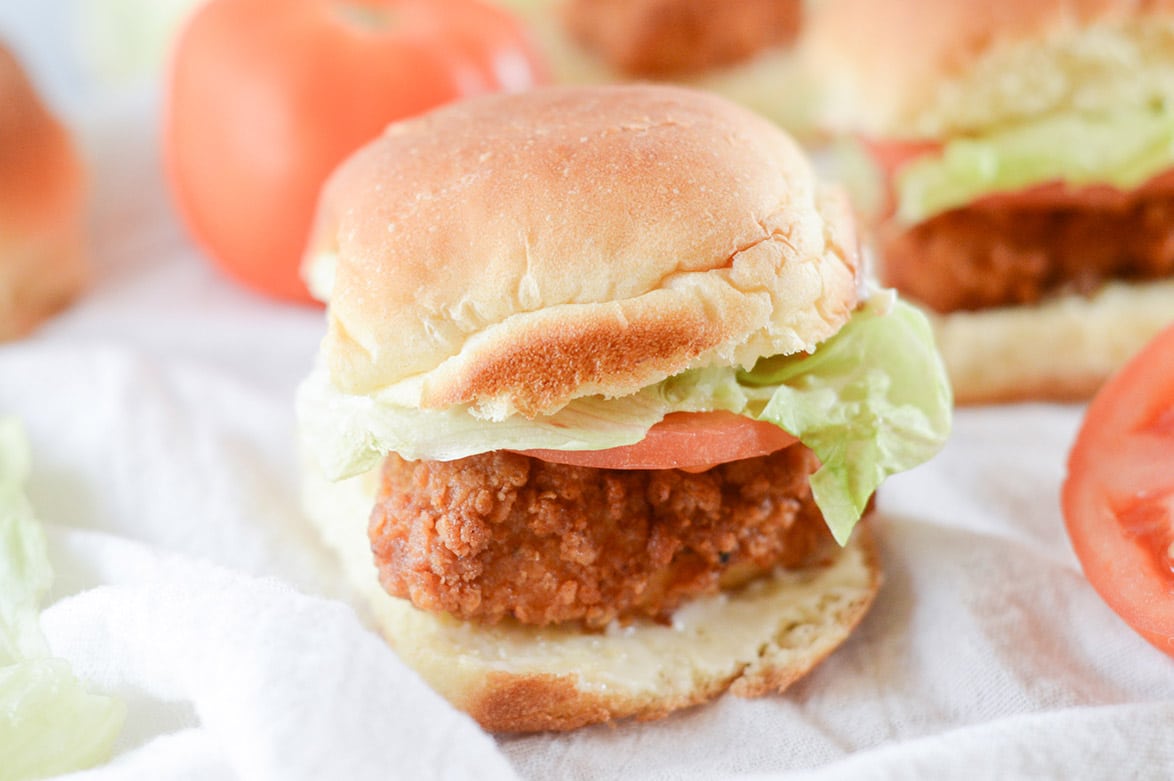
x,y
1062,350
42,257
514,252
936,68
511,678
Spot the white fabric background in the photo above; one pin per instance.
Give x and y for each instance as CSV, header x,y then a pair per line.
x,y
160,414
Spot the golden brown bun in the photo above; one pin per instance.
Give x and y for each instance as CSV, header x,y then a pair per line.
x,y
1062,350
514,252
511,678
42,248
937,68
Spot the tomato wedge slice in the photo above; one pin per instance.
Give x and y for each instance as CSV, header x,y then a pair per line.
x,y
693,441
1118,497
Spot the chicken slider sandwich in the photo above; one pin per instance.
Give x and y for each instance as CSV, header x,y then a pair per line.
x,y
1029,148
741,49
600,402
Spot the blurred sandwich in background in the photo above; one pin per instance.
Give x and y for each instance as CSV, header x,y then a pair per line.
x,y
1027,150
741,49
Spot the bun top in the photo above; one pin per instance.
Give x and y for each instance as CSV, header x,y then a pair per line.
x,y
936,68
514,252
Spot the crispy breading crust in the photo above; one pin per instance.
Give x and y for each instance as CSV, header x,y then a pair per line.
x,y
503,535
1000,254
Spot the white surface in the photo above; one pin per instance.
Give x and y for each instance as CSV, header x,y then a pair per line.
x,y
160,414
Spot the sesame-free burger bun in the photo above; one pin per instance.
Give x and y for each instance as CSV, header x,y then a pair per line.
x,y
1062,349
610,237
916,69
42,247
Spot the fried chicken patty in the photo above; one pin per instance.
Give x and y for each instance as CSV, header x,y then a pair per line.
x,y
990,255
674,37
501,534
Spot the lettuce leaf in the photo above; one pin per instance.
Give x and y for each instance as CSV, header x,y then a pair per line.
x,y
350,434
1122,149
49,724
871,401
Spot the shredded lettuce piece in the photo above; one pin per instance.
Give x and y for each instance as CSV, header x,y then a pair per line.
x,y
49,724
872,401
1122,149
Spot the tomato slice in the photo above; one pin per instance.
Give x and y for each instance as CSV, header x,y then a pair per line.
x,y
693,441
1059,195
1118,497
891,155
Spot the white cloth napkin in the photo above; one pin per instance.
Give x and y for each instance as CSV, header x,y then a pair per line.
x,y
160,415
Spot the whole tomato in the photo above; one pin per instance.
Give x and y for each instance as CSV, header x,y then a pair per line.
x,y
266,97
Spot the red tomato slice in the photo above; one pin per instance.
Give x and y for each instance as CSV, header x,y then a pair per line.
x,y
1055,195
693,441
1118,498
891,155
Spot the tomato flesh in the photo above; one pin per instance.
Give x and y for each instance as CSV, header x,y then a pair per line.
x,y
1148,520
693,441
1118,497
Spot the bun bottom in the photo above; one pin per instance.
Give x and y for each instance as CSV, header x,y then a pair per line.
x,y
515,678
1060,350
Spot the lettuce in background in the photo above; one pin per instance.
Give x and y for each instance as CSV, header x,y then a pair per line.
x,y
49,723
1123,149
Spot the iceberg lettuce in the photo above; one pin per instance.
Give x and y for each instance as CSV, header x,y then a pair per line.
x,y
1123,149
871,401
49,724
